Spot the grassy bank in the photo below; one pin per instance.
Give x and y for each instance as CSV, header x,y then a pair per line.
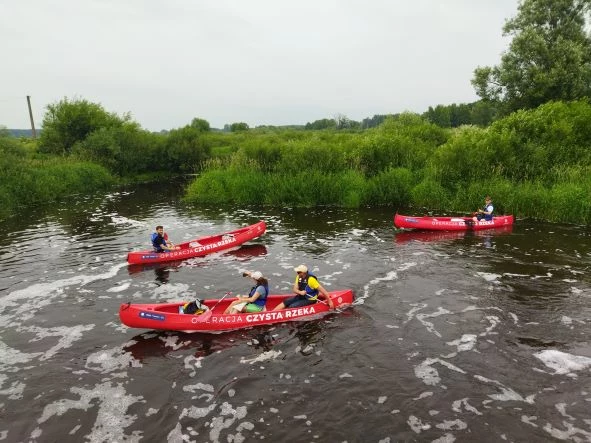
x,y
534,163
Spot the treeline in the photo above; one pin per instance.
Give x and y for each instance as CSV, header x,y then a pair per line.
x,y
481,113
535,163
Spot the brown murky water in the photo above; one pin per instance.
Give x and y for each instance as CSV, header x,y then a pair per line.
x,y
457,337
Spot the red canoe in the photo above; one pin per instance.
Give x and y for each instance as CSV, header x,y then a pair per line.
x,y
450,223
201,246
165,316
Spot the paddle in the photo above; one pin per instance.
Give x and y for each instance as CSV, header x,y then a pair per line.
x,y
207,314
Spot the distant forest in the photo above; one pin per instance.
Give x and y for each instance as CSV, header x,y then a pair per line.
x,y
479,113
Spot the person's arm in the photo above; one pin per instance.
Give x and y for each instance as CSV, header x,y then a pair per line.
x,y
296,288
326,296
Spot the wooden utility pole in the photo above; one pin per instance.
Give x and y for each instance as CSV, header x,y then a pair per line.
x,y
31,116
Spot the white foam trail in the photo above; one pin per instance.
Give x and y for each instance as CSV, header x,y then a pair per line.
x,y
265,356
507,394
465,343
41,294
562,362
429,375
111,420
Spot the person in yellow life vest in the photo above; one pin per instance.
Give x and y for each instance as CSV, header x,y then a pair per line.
x,y
307,290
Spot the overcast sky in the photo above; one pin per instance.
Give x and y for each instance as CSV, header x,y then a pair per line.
x,y
263,62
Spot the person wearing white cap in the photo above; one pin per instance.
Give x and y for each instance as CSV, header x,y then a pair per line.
x,y
256,299
307,290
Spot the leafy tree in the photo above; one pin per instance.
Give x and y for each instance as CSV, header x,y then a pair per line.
x,y
325,123
237,127
200,124
68,122
185,149
549,57
440,115
375,121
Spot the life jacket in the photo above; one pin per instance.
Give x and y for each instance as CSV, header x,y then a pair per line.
x,y
311,294
262,298
485,209
158,244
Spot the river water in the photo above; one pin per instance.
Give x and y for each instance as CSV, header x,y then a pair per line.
x,y
476,337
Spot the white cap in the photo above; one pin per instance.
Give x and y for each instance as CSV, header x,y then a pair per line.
x,y
301,268
257,275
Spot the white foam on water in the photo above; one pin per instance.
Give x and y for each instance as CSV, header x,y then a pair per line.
x,y
430,326
218,424
14,391
562,362
529,420
68,334
192,362
118,220
265,356
565,320
111,417
11,356
120,287
429,375
174,292
465,343
39,295
424,395
345,375
447,438
451,425
576,290
417,425
110,360
489,277
561,407
514,317
507,394
567,434
494,321
382,399
458,405
390,276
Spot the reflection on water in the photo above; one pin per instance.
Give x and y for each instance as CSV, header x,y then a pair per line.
x,y
453,336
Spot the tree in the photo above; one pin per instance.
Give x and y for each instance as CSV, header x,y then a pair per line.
x,y
325,123
548,59
237,127
68,122
200,124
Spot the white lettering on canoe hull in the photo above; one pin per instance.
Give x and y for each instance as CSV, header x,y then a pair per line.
x,y
199,249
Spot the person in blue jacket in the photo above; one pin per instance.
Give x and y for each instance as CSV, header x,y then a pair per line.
x,y
486,212
255,300
160,241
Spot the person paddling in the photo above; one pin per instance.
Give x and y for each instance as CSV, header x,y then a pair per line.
x,y
307,290
160,241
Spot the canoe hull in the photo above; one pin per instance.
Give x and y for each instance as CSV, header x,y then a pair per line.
x,y
450,223
165,316
200,246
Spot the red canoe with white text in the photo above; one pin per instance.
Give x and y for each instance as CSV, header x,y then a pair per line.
x,y
200,246
450,223
165,316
